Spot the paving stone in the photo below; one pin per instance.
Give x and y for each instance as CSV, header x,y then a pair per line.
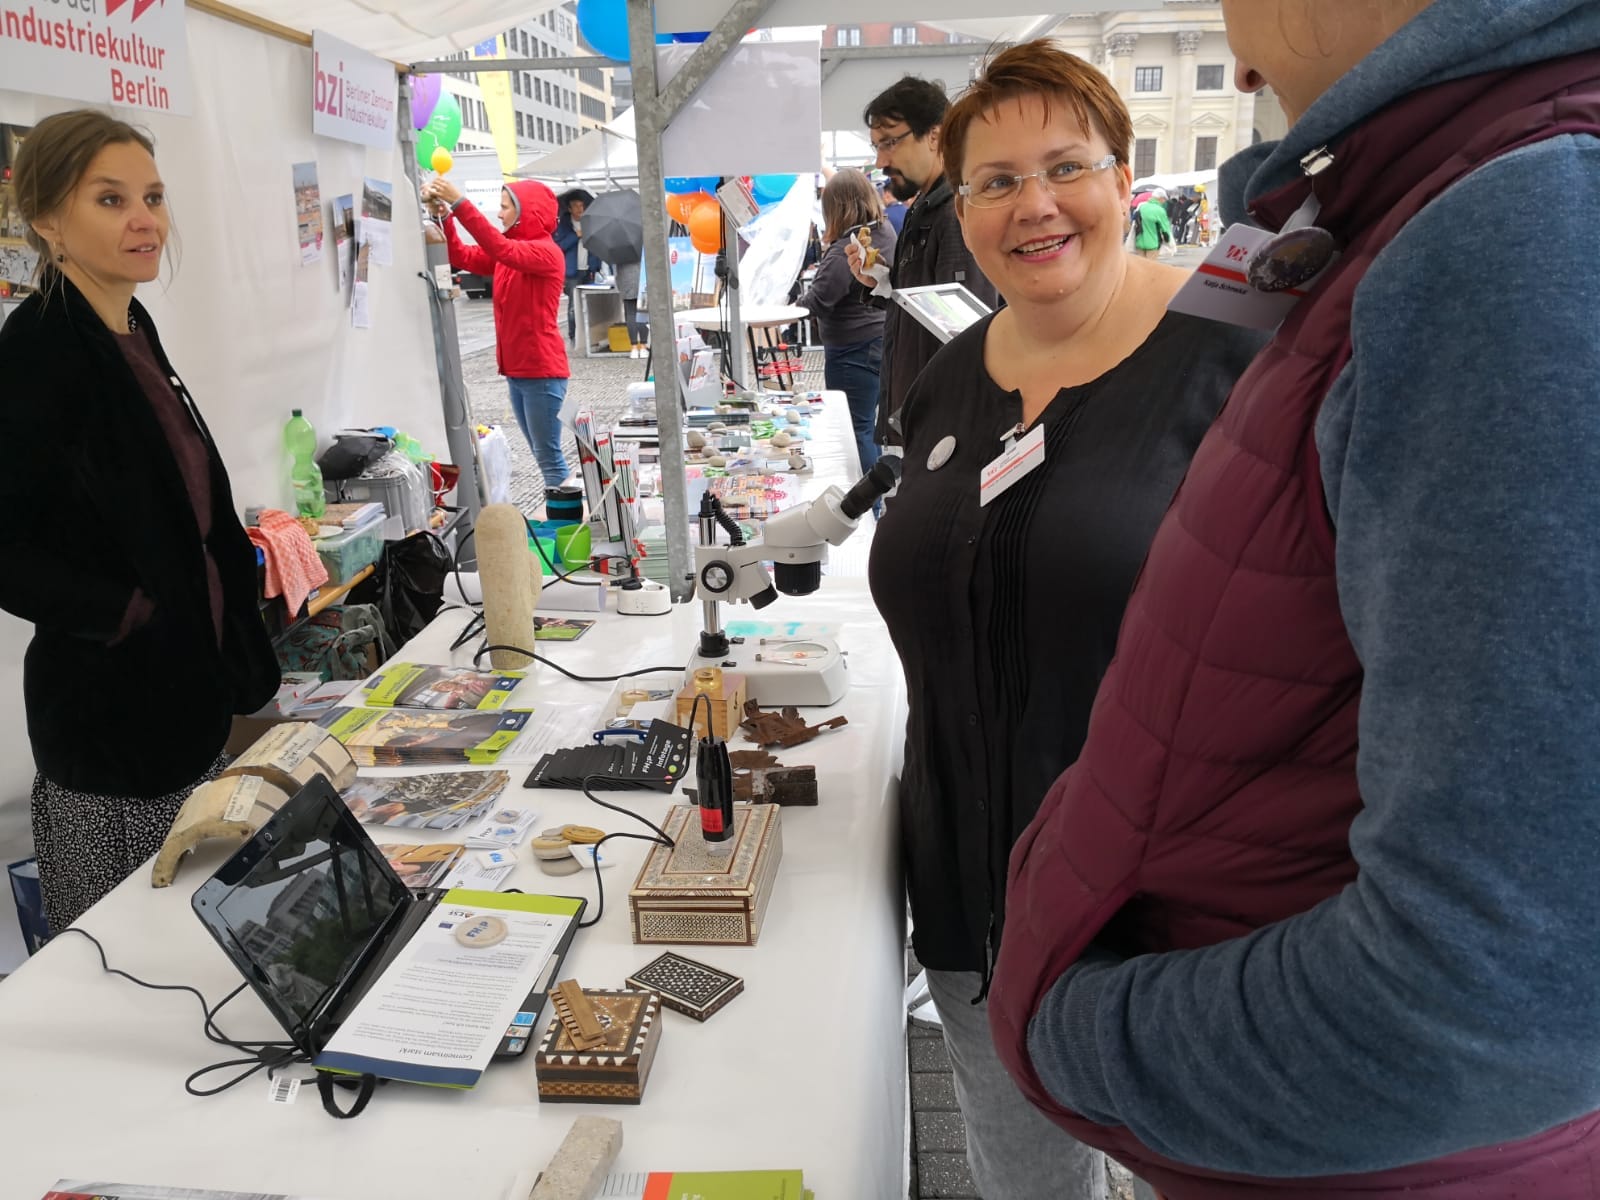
x,y
929,1054
943,1176
933,1091
941,1131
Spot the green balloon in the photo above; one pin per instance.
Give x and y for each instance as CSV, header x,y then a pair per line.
x,y
445,123
426,143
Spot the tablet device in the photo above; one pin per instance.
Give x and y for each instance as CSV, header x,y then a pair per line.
x,y
944,309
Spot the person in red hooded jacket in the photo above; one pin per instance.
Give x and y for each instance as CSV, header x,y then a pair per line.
x,y
527,268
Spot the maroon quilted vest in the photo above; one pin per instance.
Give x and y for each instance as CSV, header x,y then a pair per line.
x,y
1217,787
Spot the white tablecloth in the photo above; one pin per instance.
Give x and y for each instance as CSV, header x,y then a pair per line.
x,y
805,1069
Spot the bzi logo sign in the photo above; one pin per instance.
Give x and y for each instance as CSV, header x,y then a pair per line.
x,y
329,96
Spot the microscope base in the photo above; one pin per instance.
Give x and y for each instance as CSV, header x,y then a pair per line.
x,y
804,672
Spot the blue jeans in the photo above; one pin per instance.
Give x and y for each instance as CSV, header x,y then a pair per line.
x,y
537,403
853,370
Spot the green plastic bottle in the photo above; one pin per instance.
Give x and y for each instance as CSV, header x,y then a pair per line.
x,y
300,440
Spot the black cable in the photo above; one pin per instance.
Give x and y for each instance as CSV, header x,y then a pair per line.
x,y
660,839
478,658
261,1054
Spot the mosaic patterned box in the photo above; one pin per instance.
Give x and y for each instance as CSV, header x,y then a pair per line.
x,y
614,1073
688,895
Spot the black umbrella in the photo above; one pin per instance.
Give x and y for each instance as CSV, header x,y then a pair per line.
x,y
571,194
613,227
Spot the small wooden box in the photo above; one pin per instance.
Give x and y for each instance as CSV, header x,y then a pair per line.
x,y
614,1073
726,696
688,895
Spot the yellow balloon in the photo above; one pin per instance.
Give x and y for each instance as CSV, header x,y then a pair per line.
x,y
442,162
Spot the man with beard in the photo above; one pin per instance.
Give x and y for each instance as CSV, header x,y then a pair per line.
x,y
903,124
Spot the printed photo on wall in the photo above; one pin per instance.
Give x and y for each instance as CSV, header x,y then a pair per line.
x,y
377,217
344,240
308,212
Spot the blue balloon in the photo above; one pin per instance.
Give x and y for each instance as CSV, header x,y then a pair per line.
x,y
768,189
682,185
691,37
604,25
663,39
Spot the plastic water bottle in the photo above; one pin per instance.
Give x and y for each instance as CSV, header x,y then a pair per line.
x,y
300,440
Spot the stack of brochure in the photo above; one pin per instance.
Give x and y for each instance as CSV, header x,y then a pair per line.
x,y
403,737
408,685
441,800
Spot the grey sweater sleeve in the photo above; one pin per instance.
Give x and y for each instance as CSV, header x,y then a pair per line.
x,y
1447,998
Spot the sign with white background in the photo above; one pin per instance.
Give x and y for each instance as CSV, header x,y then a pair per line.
x,y
354,95
131,53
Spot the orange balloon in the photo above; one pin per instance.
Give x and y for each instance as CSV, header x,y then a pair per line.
x,y
681,205
705,227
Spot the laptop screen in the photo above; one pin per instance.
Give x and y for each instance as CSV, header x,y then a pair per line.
x,y
299,906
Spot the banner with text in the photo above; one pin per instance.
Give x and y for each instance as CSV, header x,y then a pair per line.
x,y
354,95
127,52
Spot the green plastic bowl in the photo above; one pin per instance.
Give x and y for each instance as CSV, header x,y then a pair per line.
x,y
572,543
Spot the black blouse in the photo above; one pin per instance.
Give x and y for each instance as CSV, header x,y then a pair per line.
x,y
1005,617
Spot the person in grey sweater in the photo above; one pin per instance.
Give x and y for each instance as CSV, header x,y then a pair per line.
x,y
851,328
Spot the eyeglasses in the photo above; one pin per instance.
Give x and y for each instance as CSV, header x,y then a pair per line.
x,y
889,143
999,190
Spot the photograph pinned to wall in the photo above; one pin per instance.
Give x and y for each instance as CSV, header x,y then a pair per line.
x,y
377,217
360,312
308,212
344,239
17,261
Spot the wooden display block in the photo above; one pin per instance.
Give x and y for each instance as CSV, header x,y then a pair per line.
x,y
689,894
615,1070
725,690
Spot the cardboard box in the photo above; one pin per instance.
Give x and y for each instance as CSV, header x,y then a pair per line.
x,y
689,894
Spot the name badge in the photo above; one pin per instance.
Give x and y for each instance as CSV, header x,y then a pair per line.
x,y
1221,288
1017,460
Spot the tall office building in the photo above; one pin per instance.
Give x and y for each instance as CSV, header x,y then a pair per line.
x,y
552,107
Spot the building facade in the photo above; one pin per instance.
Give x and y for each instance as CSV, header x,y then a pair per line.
x,y
552,107
888,33
1173,67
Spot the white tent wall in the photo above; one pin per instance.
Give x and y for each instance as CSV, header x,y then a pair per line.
x,y
252,332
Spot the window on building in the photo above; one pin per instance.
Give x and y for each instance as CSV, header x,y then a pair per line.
x,y
516,82
1205,154
1147,79
527,84
541,129
591,76
524,36
1210,78
847,35
592,107
1144,157
905,35
521,126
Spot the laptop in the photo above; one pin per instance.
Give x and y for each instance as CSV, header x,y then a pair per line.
x,y
310,912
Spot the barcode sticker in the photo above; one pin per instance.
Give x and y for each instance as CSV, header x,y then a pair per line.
x,y
246,790
283,1090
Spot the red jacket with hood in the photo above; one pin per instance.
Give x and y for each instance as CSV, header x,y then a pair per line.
x,y
527,268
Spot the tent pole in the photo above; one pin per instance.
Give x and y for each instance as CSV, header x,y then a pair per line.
x,y
737,366
653,108
459,438
658,290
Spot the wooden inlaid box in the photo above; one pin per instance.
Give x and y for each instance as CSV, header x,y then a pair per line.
x,y
690,895
613,1072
